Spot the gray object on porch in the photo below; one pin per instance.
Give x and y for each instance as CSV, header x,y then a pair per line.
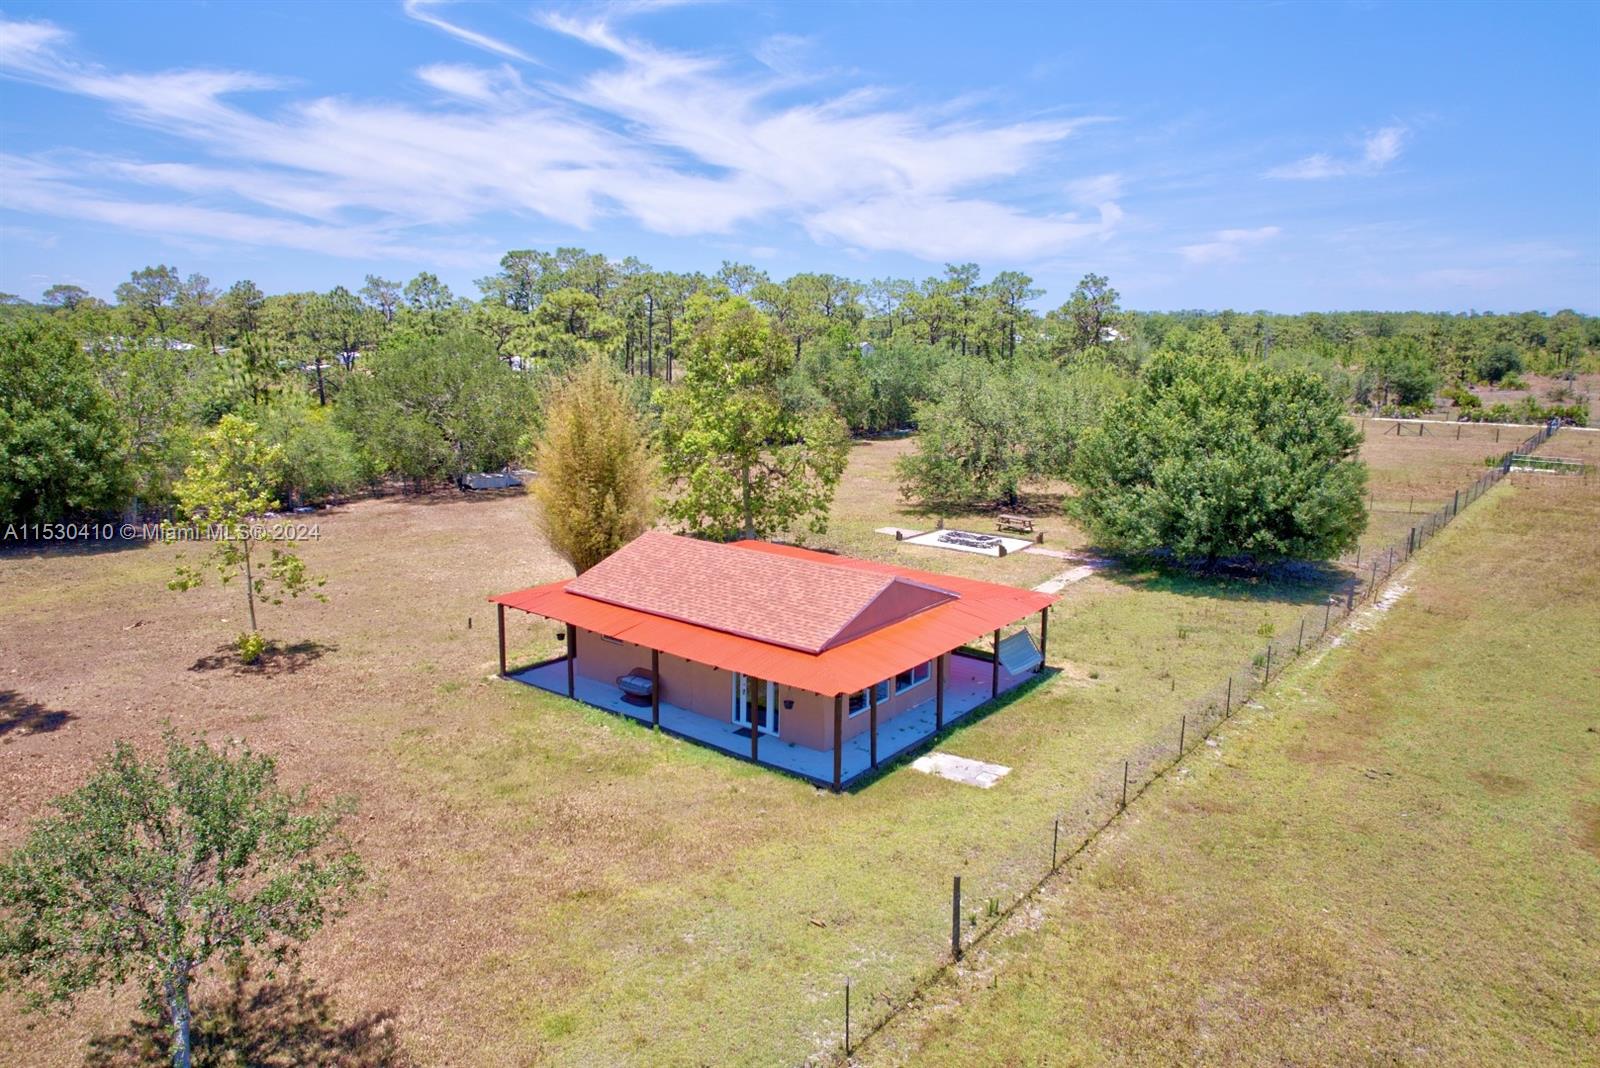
x,y
638,684
1018,654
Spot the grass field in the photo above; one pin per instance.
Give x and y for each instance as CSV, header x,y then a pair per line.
x,y
1396,859
554,885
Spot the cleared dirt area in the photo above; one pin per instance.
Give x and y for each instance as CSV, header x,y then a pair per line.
x,y
552,885
1392,859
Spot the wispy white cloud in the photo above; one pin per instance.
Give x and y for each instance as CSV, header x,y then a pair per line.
x,y
1226,246
1378,150
681,143
422,11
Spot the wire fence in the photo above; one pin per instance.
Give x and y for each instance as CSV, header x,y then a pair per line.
x,y
974,918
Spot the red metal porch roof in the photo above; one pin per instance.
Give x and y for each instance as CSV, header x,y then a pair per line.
x,y
978,609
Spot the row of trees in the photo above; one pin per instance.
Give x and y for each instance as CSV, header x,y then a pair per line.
x,y
101,404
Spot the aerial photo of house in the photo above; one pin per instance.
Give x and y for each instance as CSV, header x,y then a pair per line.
x,y
725,643
670,533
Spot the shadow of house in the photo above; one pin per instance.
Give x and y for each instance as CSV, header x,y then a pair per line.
x,y
281,1023
20,716
275,659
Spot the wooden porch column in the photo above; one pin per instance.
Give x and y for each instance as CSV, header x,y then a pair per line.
x,y
872,705
572,660
938,693
838,738
1044,635
501,613
994,678
655,688
755,729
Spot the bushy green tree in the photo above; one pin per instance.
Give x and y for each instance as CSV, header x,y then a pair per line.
x,y
1398,371
437,407
321,459
62,445
741,461
1210,457
990,428
152,868
596,476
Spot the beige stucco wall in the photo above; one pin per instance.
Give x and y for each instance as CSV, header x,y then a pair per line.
x,y
709,691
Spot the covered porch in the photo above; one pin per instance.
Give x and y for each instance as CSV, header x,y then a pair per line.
x,y
968,682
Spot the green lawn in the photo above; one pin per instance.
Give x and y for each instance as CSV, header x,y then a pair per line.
x,y
1395,860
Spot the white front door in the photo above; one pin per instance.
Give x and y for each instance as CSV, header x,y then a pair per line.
x,y
755,699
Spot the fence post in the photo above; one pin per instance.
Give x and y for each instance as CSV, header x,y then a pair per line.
x,y
1302,638
1266,672
847,1016
1327,614
1455,506
1055,842
1374,576
1350,601
1183,724
1124,784
955,919
1227,702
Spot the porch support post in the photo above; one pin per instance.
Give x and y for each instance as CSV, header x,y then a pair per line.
x,y
501,613
872,706
1044,635
655,688
838,738
994,676
755,728
572,660
938,693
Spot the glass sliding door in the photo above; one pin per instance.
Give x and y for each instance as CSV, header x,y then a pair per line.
x,y
755,700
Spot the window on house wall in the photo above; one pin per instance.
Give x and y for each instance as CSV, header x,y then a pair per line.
x,y
915,677
860,702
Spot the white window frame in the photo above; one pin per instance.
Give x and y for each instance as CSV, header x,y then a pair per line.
x,y
926,667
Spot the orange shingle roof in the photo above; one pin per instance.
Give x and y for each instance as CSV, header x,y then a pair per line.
x,y
796,602
855,661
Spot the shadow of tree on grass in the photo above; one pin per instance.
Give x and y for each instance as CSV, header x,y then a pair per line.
x,y
278,1023
21,716
275,659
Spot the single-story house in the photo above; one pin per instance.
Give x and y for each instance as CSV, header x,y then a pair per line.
x,y
820,664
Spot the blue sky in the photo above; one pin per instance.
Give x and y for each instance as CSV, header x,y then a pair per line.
x,y
1283,156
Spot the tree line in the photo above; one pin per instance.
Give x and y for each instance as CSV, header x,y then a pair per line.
x,y
102,403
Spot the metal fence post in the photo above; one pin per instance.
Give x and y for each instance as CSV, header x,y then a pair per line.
x,y
1298,641
1055,843
847,1016
1124,784
955,919
1183,724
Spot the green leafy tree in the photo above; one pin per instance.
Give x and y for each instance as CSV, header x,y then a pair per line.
x,y
226,491
428,408
988,429
150,296
1210,457
62,445
740,460
596,487
1399,372
151,869
320,458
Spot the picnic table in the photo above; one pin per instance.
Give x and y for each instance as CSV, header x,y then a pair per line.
x,y
1021,524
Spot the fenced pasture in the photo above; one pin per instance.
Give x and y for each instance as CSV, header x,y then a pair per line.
x,y
1394,858
555,885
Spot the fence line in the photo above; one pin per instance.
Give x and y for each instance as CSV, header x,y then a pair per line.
x,y
1137,771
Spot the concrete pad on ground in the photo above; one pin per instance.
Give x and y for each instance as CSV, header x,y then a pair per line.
x,y
961,769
